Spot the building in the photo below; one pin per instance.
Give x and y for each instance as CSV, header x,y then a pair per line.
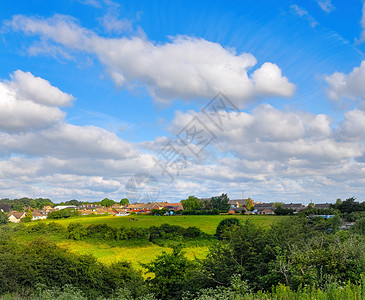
x,y
237,210
173,206
120,212
238,202
116,205
85,212
59,207
264,208
322,206
142,208
297,207
15,217
39,215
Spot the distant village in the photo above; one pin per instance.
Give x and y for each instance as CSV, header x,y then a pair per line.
x,y
236,206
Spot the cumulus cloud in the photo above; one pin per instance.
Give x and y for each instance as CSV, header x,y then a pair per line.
x,y
353,126
183,68
20,110
350,86
51,157
38,90
279,136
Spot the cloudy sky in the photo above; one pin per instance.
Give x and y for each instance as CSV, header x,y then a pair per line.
x,y
264,98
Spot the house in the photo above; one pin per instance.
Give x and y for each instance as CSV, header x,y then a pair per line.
x,y
267,211
297,207
100,211
161,205
237,202
116,205
142,208
173,206
322,206
38,215
88,206
263,207
237,210
48,208
85,212
15,217
120,212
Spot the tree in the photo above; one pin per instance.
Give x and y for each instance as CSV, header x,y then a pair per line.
x,y
226,225
192,203
311,205
27,218
281,211
220,202
3,218
107,202
359,226
249,204
124,201
349,206
172,272
5,207
73,202
18,207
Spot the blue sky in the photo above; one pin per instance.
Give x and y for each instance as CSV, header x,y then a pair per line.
x,y
91,91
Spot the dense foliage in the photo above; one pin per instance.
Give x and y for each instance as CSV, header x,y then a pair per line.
x,y
42,263
19,204
63,213
300,257
213,206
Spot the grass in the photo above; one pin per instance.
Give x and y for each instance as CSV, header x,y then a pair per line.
x,y
135,255
207,224
141,252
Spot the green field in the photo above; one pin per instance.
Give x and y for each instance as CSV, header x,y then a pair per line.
x,y
207,224
137,252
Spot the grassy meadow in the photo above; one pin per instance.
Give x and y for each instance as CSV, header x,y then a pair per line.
x,y
138,252
208,224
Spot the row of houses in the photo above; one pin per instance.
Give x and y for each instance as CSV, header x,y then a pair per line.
x,y
239,206
138,208
88,209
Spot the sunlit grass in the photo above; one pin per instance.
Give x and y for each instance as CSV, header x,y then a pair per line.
x,y
137,256
207,224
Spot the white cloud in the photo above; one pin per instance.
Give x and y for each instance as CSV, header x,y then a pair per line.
x,y
326,5
353,127
350,86
278,136
20,113
112,24
44,155
184,68
38,90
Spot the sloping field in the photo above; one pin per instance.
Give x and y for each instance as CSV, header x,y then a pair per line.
x,y
207,224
